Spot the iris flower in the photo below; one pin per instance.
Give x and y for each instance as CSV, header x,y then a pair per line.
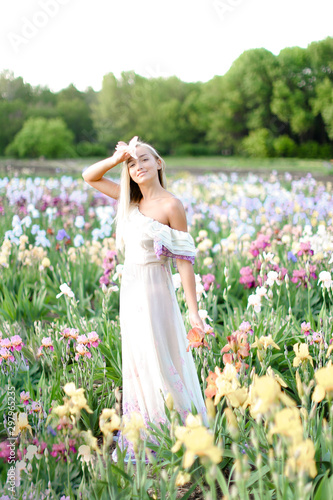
x,y
128,148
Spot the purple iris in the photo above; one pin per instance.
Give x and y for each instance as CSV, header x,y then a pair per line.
x,y
62,234
292,257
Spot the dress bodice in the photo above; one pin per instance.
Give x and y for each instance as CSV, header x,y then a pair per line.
x,y
149,241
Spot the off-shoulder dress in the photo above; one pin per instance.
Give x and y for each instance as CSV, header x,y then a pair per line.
x,y
154,357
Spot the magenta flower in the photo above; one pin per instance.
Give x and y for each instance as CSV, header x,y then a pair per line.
x,y
305,249
81,350
245,327
104,280
6,343
24,397
59,450
82,339
317,338
94,339
260,243
300,275
247,279
6,355
16,343
5,450
306,328
36,407
47,343
208,280
110,260
66,333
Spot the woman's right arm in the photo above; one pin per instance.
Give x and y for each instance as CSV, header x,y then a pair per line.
x,y
93,175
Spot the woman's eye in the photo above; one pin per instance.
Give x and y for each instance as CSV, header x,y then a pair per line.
x,y
145,159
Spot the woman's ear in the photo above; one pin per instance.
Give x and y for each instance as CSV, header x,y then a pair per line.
x,y
159,164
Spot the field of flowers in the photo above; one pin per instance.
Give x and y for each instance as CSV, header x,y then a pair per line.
x,y
264,289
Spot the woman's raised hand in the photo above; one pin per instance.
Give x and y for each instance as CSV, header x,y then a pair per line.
x,y
120,155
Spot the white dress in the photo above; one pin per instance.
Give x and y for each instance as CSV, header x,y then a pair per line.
x,y
154,357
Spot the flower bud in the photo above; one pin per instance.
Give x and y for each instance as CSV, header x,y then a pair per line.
x,y
117,394
211,411
169,401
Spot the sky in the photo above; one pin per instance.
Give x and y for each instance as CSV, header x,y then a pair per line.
x,y
58,42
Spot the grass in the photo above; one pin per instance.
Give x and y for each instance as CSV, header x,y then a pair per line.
x,y
174,164
238,162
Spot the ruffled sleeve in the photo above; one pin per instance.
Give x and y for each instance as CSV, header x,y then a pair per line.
x,y
171,242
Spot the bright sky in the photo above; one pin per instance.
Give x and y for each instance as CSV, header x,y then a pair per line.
x,y
58,42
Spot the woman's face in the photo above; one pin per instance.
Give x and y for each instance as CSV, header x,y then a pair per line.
x,y
143,168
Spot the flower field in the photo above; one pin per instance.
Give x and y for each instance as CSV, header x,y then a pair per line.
x,y
264,290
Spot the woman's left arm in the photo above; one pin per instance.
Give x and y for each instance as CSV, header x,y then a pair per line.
x,y
177,220
185,269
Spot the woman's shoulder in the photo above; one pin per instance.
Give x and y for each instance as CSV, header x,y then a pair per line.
x,y
171,202
176,213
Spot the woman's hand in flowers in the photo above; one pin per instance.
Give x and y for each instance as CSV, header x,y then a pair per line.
x,y
196,321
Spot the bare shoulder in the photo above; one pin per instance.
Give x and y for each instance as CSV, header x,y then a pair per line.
x,y
176,213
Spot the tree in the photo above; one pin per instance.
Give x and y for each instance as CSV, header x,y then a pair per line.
x,y
258,143
12,117
12,88
149,107
292,91
73,108
323,104
42,137
240,100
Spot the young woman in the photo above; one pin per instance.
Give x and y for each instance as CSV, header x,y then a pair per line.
x,y
151,227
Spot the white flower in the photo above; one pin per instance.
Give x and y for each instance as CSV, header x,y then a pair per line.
x,y
129,148
204,315
79,221
216,248
32,452
268,257
272,277
84,453
325,279
261,291
65,290
255,301
200,290
78,240
286,239
119,272
176,280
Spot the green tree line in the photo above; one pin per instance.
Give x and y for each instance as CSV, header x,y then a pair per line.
x,y
264,106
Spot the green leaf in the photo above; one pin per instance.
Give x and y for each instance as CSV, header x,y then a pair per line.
x,y
324,489
257,475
